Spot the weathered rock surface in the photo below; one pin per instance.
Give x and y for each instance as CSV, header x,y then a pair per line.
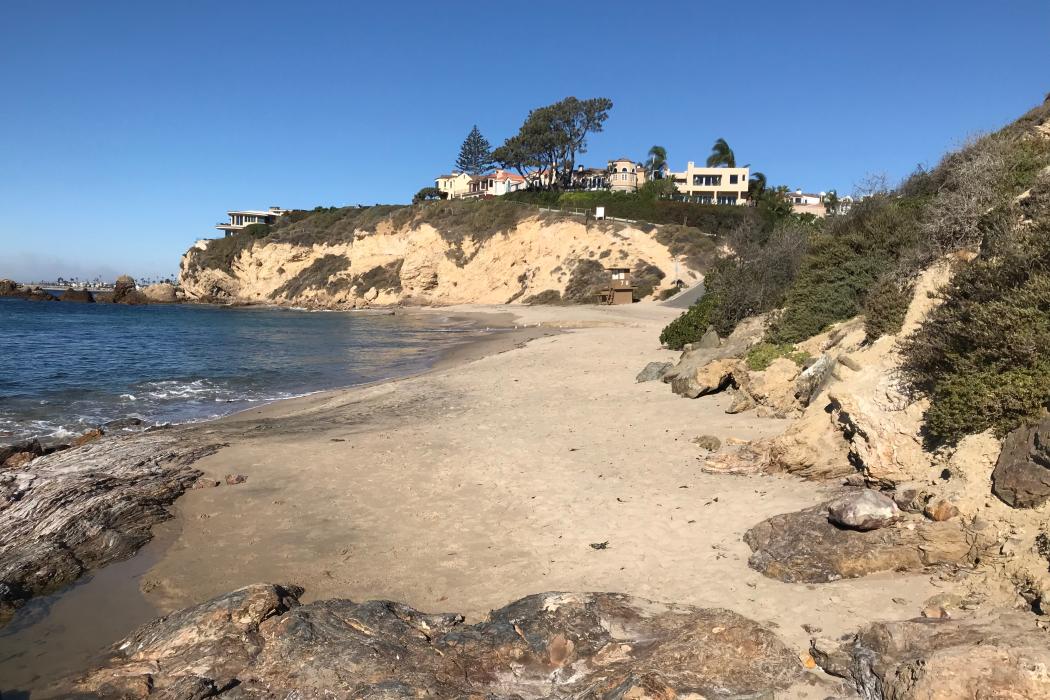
x,y
805,547
78,509
125,291
711,378
999,655
812,379
709,339
260,642
653,371
1021,477
863,510
774,386
684,374
10,288
160,293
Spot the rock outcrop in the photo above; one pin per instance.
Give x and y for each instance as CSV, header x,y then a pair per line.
x,y
805,547
11,289
653,371
997,655
126,291
405,260
78,509
160,293
1022,474
863,510
259,641
80,296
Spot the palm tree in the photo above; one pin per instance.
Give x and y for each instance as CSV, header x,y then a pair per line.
x,y
756,185
657,162
831,203
721,154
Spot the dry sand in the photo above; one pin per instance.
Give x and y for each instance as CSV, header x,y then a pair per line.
x,y
487,480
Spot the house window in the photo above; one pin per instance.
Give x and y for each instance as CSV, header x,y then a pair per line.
x,y
705,199
707,180
733,179
727,199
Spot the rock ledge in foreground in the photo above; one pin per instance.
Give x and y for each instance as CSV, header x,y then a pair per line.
x,y
262,642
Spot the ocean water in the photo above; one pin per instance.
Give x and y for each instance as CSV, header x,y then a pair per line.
x,y
66,367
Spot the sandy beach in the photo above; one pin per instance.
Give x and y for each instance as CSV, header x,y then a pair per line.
x,y
491,478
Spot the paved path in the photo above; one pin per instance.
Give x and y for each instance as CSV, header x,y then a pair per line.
x,y
687,298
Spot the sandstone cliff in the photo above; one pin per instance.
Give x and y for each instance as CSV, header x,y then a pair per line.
x,y
435,254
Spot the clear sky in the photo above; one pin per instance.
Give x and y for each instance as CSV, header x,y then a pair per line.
x,y
127,129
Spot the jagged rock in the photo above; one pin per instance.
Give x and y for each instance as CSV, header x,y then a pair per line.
x,y
742,401
812,448
78,509
941,511
774,387
692,360
812,379
805,547
708,442
999,655
711,378
863,510
263,642
709,339
123,424
86,437
9,288
19,459
161,293
1021,478
10,449
125,291
80,296
653,371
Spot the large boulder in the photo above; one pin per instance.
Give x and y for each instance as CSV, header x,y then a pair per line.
x,y
1021,478
160,293
805,547
653,371
709,379
774,386
1002,655
863,510
263,642
126,291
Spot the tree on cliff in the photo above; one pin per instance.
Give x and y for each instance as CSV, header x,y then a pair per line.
x,y
551,138
475,155
657,162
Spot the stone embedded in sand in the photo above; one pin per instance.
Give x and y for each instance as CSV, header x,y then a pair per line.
x,y
260,640
805,547
1021,478
863,510
709,339
941,510
708,442
999,655
653,371
234,479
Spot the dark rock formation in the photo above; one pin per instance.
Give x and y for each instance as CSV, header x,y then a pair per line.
x,y
999,655
81,296
804,547
260,642
125,291
79,509
10,288
1022,474
653,371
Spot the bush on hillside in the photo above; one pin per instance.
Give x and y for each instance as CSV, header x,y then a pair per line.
x,y
844,262
646,277
981,356
693,323
587,279
546,297
761,356
885,307
315,276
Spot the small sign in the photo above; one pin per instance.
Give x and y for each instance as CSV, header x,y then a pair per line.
x,y
599,212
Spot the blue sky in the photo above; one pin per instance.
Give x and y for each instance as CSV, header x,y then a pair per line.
x,y
127,129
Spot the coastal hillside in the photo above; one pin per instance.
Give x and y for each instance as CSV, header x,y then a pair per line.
x,y
438,253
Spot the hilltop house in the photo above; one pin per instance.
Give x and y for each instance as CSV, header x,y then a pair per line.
x,y
495,184
243,218
454,185
712,185
590,179
625,175
816,204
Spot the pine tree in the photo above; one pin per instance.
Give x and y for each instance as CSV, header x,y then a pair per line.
x,y
475,155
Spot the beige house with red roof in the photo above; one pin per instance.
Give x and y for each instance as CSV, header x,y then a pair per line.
x,y
454,185
460,185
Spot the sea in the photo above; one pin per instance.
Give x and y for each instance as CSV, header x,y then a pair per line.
x,y
66,368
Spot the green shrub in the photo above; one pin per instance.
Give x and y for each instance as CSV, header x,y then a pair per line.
x,y
885,307
691,325
844,262
761,356
546,297
666,294
981,357
316,275
220,253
